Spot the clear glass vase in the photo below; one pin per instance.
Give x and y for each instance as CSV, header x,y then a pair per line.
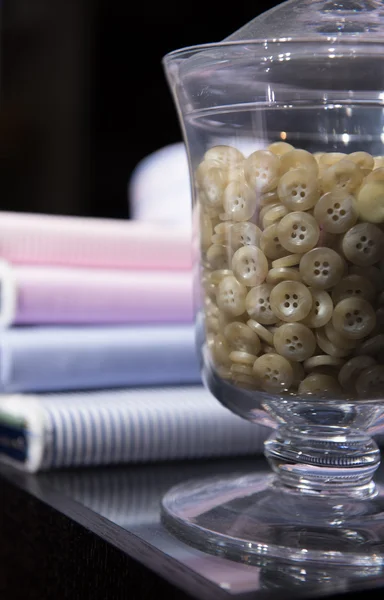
x,y
284,129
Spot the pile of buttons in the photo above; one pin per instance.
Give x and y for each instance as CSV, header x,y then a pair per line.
x,y
292,247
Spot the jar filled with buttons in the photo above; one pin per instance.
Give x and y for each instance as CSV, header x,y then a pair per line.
x,y
283,123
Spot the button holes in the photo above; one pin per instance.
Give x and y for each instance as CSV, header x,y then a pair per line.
x,y
261,300
236,202
295,338
325,264
335,218
337,205
359,246
302,194
248,270
363,238
371,243
275,372
266,377
316,311
317,264
299,345
356,312
343,212
348,315
294,192
330,211
248,239
292,348
295,296
274,378
301,236
276,239
317,303
325,272
358,292
287,296
269,370
366,250
295,305
263,309
246,261
257,173
288,341
359,320
295,227
293,235
316,272
350,323
304,186
303,228
351,291
286,304
264,176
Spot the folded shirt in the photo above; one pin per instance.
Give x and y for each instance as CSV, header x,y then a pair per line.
x,y
74,358
121,426
47,295
35,239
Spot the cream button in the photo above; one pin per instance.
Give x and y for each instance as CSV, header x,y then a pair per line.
x,y
250,265
257,304
363,244
261,170
278,274
280,148
219,257
264,210
321,268
354,318
339,340
291,301
298,189
321,311
335,212
328,347
242,358
298,373
244,234
318,384
297,159
298,232
206,231
322,360
261,331
287,261
220,351
294,341
365,161
212,324
344,175
242,338
378,162
225,156
273,215
269,198
351,370
353,285
239,201
370,382
211,180
375,276
270,243
230,296
376,175
216,276
372,346
330,158
370,202
273,373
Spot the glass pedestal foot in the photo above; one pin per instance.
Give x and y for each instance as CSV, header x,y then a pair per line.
x,y
245,517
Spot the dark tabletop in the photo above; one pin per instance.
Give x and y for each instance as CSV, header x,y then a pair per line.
x,y
97,533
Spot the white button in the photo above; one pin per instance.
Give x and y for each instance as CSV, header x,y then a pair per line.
x,y
330,158
364,160
322,360
280,148
211,180
328,347
273,372
298,189
242,358
291,301
278,274
257,304
351,370
206,231
370,202
372,346
321,311
261,170
231,296
220,351
321,268
287,261
225,156
376,175
338,339
354,318
250,265
318,384
273,215
216,276
363,244
297,159
335,212
239,201
261,331
370,382
294,341
242,338
298,232
219,257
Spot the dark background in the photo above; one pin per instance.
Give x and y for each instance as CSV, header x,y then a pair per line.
x,y
84,96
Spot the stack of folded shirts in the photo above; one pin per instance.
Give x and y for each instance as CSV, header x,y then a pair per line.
x,y
99,304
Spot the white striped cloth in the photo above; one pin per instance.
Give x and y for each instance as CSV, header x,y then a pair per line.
x,y
120,426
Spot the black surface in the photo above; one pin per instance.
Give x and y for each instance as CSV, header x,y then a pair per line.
x,y
96,533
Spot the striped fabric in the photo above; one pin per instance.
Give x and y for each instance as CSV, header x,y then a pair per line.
x,y
41,359
136,425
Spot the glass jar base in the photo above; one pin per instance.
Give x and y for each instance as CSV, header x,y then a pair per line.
x,y
245,517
